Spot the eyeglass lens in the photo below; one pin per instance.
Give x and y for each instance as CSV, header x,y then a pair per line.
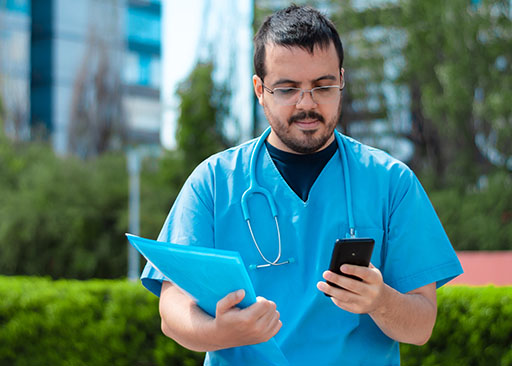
x,y
320,95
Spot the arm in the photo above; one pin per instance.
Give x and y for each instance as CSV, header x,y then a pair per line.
x,y
187,324
407,318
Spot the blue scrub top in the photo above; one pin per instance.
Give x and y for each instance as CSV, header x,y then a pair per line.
x,y
390,206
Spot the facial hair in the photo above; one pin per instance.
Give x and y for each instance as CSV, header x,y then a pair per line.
x,y
308,142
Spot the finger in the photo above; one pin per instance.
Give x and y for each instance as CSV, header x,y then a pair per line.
x,y
270,323
261,308
324,287
229,301
270,314
264,325
328,289
370,275
349,302
274,326
346,283
358,271
346,300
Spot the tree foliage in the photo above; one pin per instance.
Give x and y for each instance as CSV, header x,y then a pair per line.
x,y
437,74
478,218
61,217
199,132
198,136
66,217
459,69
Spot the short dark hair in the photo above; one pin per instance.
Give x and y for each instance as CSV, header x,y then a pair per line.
x,y
295,26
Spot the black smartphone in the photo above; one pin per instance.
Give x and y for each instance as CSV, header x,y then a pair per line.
x,y
357,251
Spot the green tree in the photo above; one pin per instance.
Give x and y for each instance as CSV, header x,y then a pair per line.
x,y
65,217
452,59
371,41
199,132
459,69
61,217
448,66
199,135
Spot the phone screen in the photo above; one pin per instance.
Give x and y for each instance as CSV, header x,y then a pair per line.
x,y
356,251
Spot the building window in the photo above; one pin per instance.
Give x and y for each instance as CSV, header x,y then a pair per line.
x,y
142,69
20,6
143,27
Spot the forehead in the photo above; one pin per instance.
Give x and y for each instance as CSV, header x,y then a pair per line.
x,y
295,63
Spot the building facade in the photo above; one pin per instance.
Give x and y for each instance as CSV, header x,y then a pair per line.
x,y
15,66
84,73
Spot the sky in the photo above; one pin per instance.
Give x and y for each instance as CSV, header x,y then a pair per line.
x,y
181,28
195,30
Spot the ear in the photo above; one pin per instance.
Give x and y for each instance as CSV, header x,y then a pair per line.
x,y
258,88
342,77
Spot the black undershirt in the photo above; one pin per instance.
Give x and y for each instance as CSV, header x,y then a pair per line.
x,y
300,171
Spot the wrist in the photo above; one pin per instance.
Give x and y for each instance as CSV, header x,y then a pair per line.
x,y
383,304
213,335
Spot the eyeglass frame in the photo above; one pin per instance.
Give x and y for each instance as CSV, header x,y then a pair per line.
x,y
303,91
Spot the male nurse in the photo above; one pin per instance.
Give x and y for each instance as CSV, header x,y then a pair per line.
x,y
306,166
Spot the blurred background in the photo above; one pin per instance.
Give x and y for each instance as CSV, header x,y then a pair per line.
x,y
106,106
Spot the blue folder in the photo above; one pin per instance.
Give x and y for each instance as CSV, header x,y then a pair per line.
x,y
207,275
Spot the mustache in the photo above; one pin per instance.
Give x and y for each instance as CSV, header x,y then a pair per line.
x,y
306,115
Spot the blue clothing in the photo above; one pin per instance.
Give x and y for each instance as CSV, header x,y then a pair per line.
x,y
390,206
301,170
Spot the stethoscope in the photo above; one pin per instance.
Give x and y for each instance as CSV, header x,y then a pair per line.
x,y
256,188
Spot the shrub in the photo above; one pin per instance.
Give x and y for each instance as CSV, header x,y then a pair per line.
x,y
113,322
97,322
473,327
60,216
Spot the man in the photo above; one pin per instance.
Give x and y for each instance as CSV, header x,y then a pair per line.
x,y
299,77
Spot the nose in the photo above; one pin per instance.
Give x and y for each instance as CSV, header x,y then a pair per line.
x,y
306,100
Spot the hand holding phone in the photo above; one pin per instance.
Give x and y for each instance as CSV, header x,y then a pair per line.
x,y
356,251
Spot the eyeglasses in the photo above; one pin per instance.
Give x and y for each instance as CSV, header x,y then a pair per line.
x,y
292,96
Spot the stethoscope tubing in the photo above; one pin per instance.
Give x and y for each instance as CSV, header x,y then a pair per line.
x,y
256,188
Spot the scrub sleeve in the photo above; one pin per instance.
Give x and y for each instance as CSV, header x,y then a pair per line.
x,y
412,249
190,222
418,251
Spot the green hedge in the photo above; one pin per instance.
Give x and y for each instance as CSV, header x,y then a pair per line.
x,y
89,323
474,327
116,322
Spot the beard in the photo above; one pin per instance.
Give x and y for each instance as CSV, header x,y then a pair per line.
x,y
303,141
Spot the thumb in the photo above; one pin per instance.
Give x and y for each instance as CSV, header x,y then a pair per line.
x,y
229,301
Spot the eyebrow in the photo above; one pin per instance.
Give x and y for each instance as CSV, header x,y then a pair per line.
x,y
289,81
